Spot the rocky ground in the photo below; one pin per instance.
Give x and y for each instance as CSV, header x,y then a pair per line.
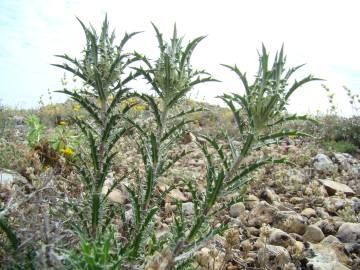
x,y
293,217
302,217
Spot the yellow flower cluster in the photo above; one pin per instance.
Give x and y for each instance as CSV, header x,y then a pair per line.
x,y
131,101
136,106
67,151
62,123
76,107
139,107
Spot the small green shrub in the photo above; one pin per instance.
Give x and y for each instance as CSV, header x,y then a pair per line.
x,y
64,140
352,130
13,155
336,128
5,121
35,130
94,255
340,146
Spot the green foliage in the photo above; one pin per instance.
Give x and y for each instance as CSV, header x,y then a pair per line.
x,y
6,228
103,69
35,130
340,146
13,155
171,79
265,100
172,76
63,138
18,259
350,130
94,255
336,128
5,122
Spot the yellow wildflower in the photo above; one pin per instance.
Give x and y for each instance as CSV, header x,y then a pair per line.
x,y
62,123
139,108
76,107
67,151
131,101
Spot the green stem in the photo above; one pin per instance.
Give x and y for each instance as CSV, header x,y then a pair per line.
x,y
155,167
97,188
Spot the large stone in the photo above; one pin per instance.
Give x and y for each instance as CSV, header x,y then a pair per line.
x,y
290,221
269,196
313,234
324,265
278,237
296,200
273,257
187,137
349,233
18,120
177,195
333,187
333,204
296,176
347,163
262,213
308,212
327,227
323,163
322,213
355,204
237,210
353,248
251,201
116,195
8,178
328,257
162,230
328,240
188,208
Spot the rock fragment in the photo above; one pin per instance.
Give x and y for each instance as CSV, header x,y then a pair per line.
x,y
333,187
273,257
349,233
237,210
313,234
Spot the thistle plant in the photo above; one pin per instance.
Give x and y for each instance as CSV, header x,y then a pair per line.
x,y
128,243
102,69
261,109
171,77
266,98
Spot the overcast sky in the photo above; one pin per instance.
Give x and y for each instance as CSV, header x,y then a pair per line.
x,y
322,34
